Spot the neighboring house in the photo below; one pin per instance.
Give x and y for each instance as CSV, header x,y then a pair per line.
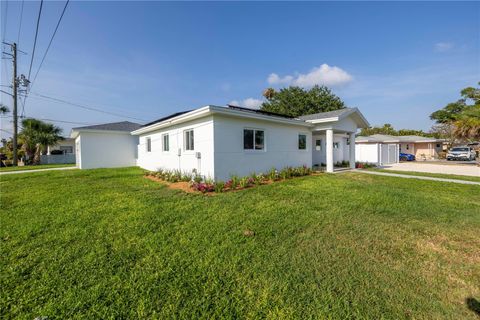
x,y
106,145
217,142
52,154
385,149
67,145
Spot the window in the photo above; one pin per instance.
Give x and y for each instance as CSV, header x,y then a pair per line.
x,y
253,139
67,149
166,142
318,144
335,145
438,145
302,142
407,146
188,142
149,144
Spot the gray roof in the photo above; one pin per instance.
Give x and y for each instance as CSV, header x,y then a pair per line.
x,y
389,138
126,126
325,115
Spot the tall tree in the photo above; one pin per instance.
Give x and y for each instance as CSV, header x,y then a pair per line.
x,y
462,117
37,135
296,101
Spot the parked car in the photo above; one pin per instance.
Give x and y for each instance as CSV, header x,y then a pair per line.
x,y
407,157
461,153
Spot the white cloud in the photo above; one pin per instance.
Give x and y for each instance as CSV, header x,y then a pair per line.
x,y
247,103
323,75
443,46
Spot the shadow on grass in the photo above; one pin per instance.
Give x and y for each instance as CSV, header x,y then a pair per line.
x,y
473,304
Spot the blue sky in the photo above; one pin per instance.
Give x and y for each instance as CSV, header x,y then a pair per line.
x,y
397,62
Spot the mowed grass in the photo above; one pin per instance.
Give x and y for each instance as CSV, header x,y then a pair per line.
x,y
36,167
110,244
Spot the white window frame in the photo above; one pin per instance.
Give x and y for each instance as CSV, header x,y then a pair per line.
x,y
148,144
306,141
264,140
185,140
165,135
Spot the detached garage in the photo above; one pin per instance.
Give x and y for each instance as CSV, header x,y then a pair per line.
x,y
106,145
373,150
385,149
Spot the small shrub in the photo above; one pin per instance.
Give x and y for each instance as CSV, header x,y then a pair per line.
x,y
244,182
219,186
197,178
234,181
273,174
364,165
203,187
186,177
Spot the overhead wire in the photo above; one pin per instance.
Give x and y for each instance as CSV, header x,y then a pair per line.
x,y
35,40
86,107
50,43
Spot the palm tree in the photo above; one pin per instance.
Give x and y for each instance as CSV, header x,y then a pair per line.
x,y
37,135
467,126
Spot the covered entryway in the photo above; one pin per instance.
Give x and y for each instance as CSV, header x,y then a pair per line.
x,y
333,136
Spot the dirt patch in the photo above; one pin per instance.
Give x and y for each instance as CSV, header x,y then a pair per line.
x,y
181,185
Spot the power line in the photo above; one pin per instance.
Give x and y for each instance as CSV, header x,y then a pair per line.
x,y
51,120
50,43
35,41
4,30
5,21
87,107
20,24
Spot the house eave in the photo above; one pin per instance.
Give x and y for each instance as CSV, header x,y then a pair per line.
x,y
209,110
75,132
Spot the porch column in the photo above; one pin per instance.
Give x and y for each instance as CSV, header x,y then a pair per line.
x,y
329,149
352,150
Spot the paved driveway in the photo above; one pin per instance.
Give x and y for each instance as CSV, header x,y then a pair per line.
x,y
464,169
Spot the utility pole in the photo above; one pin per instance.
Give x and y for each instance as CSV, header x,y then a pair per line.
x,y
15,116
15,83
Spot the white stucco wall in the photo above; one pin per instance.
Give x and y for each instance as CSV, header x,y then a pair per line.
x,y
367,152
281,147
105,149
181,160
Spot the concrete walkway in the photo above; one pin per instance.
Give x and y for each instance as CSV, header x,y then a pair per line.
x,y
37,170
417,177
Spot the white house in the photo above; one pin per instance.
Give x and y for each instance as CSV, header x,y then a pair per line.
x,y
217,141
106,145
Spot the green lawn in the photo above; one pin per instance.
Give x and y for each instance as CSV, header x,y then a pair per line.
x,y
41,166
98,244
427,174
